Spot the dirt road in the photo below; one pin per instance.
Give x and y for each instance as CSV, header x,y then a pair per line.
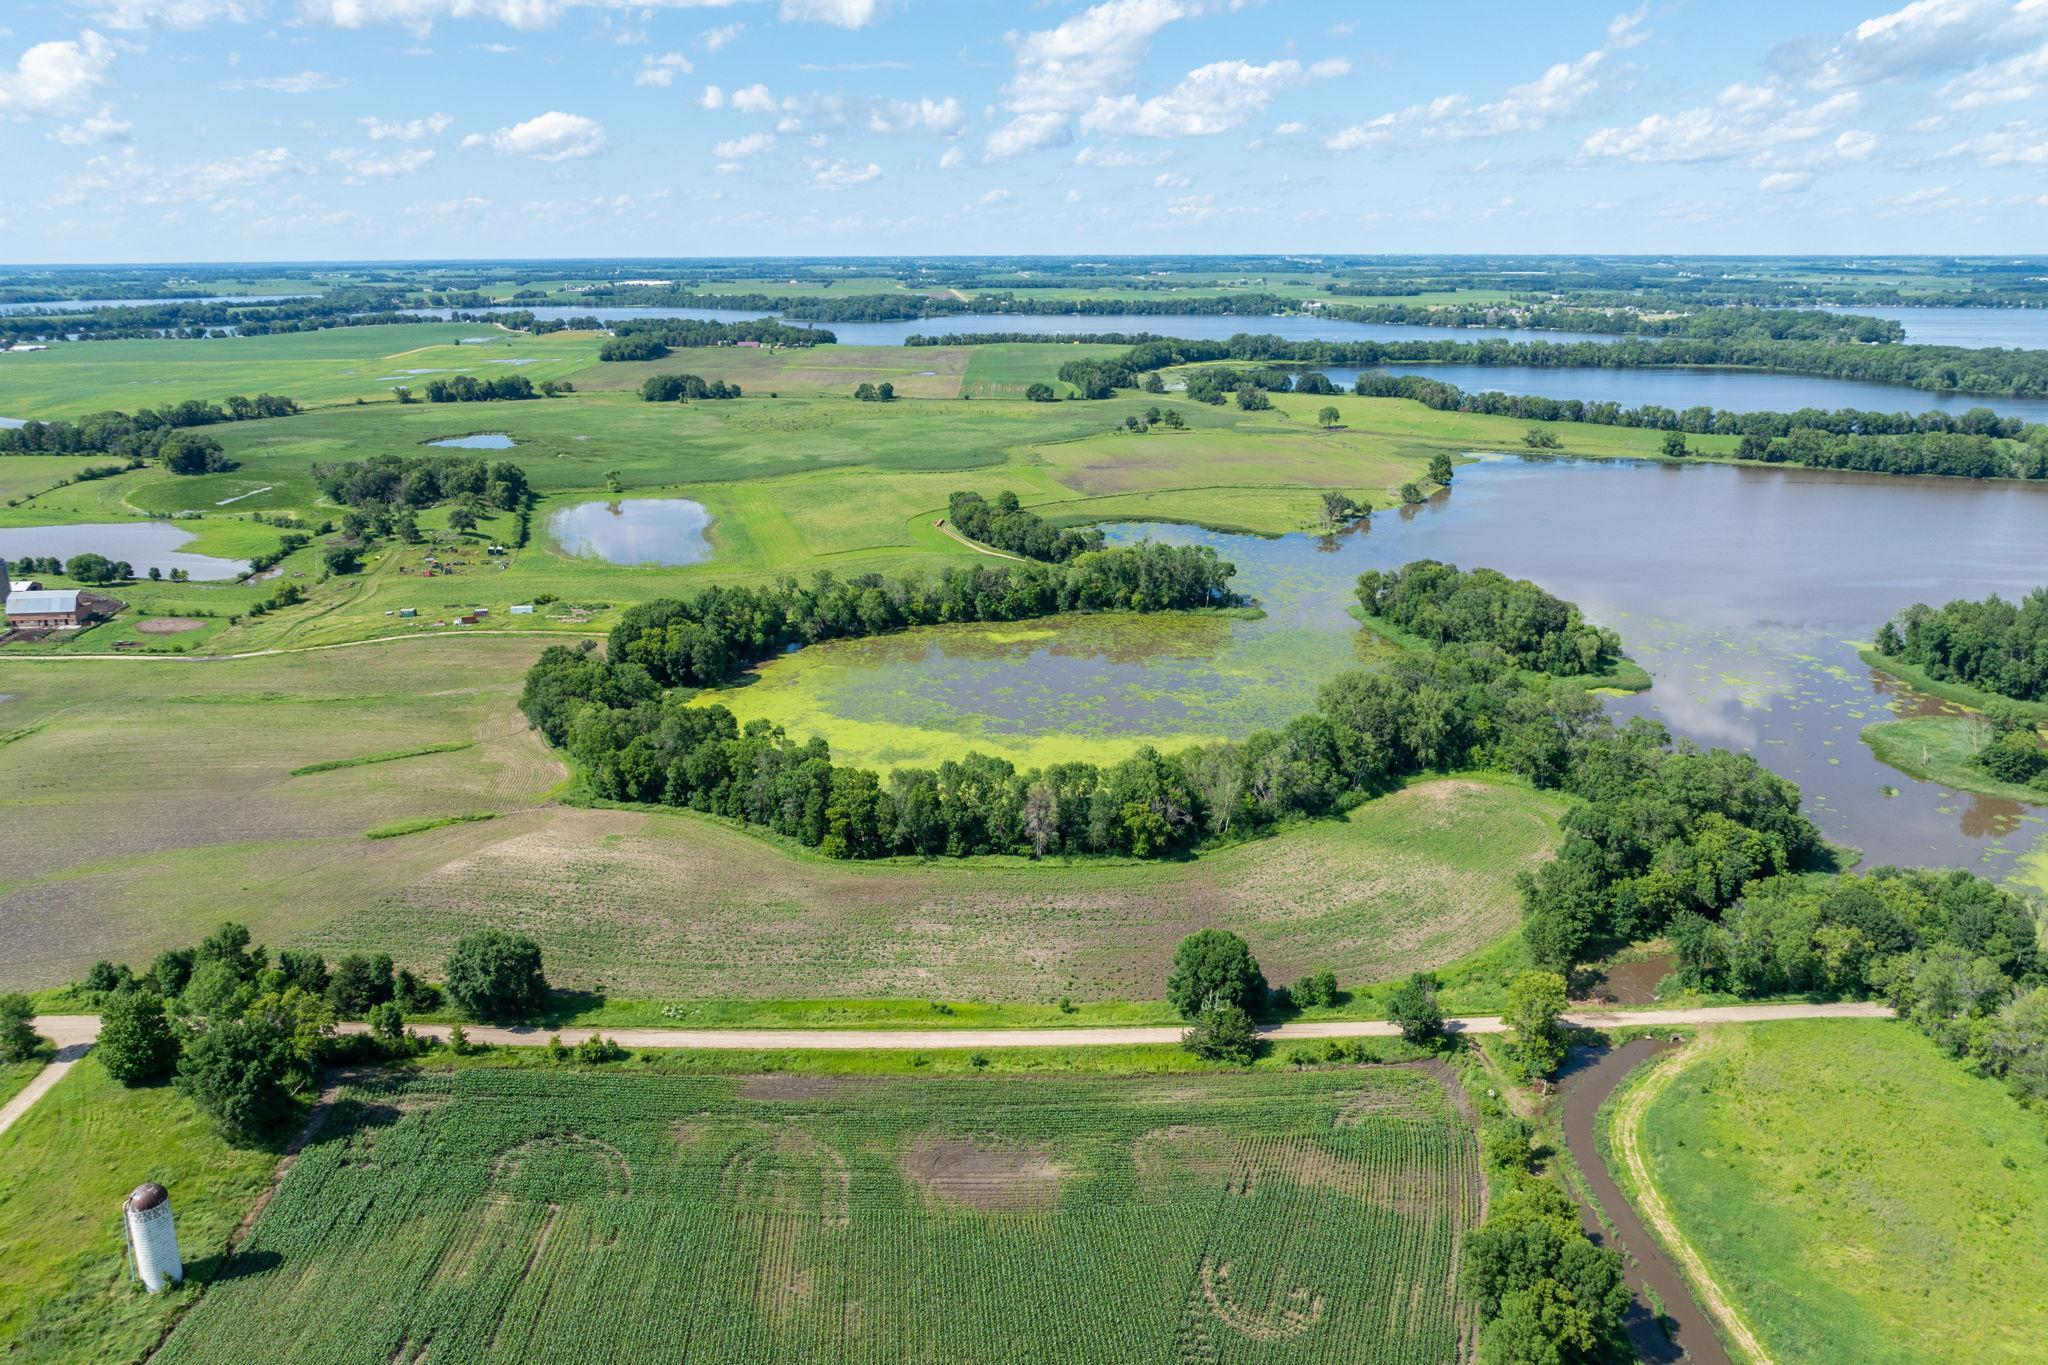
x,y
72,1034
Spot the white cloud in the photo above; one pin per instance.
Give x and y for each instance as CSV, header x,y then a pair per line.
x,y
1073,196
2016,144
1170,180
130,180
1290,129
841,175
729,167
1745,120
712,98
953,159
992,198
2018,78
1210,99
52,77
1522,108
739,148
662,70
553,136
844,13
301,83
753,99
131,14
1925,38
1117,158
1785,182
1856,145
362,167
1062,71
412,130
716,39
100,127
944,117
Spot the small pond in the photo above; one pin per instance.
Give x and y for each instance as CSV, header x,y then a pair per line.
x,y
663,531
144,544
488,440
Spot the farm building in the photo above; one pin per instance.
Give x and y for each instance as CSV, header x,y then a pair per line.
x,y
45,610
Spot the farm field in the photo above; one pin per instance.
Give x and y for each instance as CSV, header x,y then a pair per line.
x,y
65,1290
487,1214
1859,1196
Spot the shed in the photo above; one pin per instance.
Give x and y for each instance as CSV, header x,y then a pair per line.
x,y
522,609
47,609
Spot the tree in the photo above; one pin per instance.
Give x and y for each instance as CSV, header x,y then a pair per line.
x,y
238,1073
359,983
1222,1033
387,1023
885,392
1413,1006
1328,417
1315,991
1674,445
1041,393
1535,1000
216,991
1411,493
92,568
1440,469
462,517
1214,966
1339,510
1252,398
342,558
864,392
230,943
137,1044
1536,438
18,1041
494,975
189,452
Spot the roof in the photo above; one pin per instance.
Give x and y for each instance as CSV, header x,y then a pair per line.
x,y
45,603
147,1197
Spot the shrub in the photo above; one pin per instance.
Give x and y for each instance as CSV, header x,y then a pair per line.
x,y
360,982
597,1049
1316,991
387,1023
1222,1033
1413,1006
1214,966
1535,1000
1041,393
18,1041
137,1044
493,975
237,1073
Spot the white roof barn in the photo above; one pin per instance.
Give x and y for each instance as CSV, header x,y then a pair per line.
x,y
46,602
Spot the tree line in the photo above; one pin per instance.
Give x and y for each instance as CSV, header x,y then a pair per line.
x,y
137,435
1441,604
1007,526
653,338
1994,644
190,320
679,388
467,388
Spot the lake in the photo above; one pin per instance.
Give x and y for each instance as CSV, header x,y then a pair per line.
x,y
1739,589
1733,390
74,305
661,531
144,544
2020,328
1192,327
486,440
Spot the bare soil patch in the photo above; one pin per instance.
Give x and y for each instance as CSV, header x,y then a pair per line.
x,y
168,625
998,1178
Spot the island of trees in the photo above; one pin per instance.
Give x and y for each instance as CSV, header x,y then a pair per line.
x,y
1441,604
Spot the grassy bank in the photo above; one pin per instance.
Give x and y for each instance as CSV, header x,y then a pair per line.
x,y
1960,693
1859,1195
1943,749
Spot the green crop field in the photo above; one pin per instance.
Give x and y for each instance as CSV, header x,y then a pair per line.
x,y
66,1293
1860,1196
507,1215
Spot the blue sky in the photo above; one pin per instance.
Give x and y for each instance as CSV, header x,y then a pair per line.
x,y
301,129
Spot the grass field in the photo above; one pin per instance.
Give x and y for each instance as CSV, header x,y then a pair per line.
x,y
514,1215
66,1294
1941,749
1860,1196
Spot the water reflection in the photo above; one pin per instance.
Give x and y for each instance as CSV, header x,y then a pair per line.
x,y
660,531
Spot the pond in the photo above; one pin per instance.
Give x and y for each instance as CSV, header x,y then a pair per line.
x,y
487,440
1739,589
662,531
1733,390
144,544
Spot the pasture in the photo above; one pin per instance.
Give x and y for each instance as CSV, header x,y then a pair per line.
x,y
501,1215
1860,1196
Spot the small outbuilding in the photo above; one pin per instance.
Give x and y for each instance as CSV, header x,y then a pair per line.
x,y
45,609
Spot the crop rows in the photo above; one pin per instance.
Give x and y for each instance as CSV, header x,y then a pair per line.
x,y
499,1215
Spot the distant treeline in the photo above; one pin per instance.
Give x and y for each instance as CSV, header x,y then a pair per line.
x,y
678,388
467,388
398,481
1940,368
343,308
136,435
1442,605
1777,324
1006,526
1014,338
1994,644
521,320
653,338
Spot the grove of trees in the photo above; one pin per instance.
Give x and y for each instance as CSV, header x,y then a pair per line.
x,y
1441,604
1995,645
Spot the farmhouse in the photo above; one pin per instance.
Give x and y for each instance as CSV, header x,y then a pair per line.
x,y
44,610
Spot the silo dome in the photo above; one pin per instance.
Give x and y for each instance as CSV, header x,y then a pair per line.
x,y
147,1196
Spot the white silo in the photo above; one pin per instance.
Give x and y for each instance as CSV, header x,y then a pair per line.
x,y
152,1239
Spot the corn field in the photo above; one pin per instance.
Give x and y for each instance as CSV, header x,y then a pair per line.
x,y
560,1216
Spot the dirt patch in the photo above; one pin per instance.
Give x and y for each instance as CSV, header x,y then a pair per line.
x,y
168,625
791,1087
997,1178
1630,983
1165,1157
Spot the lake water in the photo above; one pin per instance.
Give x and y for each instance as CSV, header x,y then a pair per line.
x,y
488,440
2021,328
1196,327
1739,589
73,305
663,531
562,313
1733,390
144,544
